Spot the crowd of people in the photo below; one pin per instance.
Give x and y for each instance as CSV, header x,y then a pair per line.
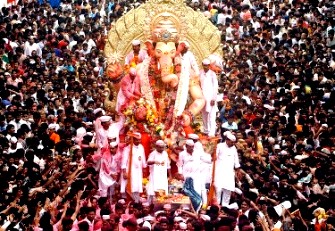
x,y
275,165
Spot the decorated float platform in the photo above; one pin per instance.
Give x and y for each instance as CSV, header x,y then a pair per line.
x,y
175,197
175,201
171,98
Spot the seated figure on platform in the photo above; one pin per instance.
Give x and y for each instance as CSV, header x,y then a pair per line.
x,y
136,56
129,90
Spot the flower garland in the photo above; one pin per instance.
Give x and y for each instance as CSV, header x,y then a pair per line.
x,y
143,112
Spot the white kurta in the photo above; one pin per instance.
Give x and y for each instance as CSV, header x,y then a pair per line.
x,y
109,165
101,142
190,166
138,163
226,163
115,128
141,56
102,138
28,49
206,161
158,179
210,88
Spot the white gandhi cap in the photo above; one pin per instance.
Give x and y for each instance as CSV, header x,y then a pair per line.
x,y
206,62
147,225
105,119
136,42
189,142
182,225
187,45
97,110
113,144
193,136
229,136
160,143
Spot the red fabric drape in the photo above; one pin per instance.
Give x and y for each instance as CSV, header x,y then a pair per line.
x,y
188,130
146,142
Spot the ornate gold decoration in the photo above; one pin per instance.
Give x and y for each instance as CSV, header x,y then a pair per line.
x,y
183,23
165,36
114,57
109,104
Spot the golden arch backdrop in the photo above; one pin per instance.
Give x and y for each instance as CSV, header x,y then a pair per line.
x,y
140,23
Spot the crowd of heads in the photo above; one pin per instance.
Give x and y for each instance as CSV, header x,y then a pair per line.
x,y
277,84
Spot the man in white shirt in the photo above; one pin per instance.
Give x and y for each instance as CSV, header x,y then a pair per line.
x,y
189,166
205,168
159,166
115,128
101,138
137,55
102,132
227,164
210,88
229,32
110,168
221,19
31,46
133,163
89,41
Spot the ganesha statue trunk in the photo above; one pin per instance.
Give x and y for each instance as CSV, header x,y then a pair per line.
x,y
165,53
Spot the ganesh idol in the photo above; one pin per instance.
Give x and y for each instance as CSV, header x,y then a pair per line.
x,y
173,38
169,75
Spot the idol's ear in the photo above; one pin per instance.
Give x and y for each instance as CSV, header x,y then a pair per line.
x,y
150,48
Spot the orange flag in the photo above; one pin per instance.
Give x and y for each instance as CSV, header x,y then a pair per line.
x,y
211,193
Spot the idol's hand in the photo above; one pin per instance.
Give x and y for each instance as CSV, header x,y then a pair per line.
x,y
186,119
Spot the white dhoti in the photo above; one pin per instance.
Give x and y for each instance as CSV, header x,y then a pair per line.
x,y
105,181
136,181
227,162
158,179
223,196
209,86
136,178
109,167
209,121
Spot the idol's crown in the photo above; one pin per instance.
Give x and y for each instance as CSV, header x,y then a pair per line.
x,y
165,36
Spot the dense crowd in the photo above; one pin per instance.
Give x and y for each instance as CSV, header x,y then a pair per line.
x,y
277,85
